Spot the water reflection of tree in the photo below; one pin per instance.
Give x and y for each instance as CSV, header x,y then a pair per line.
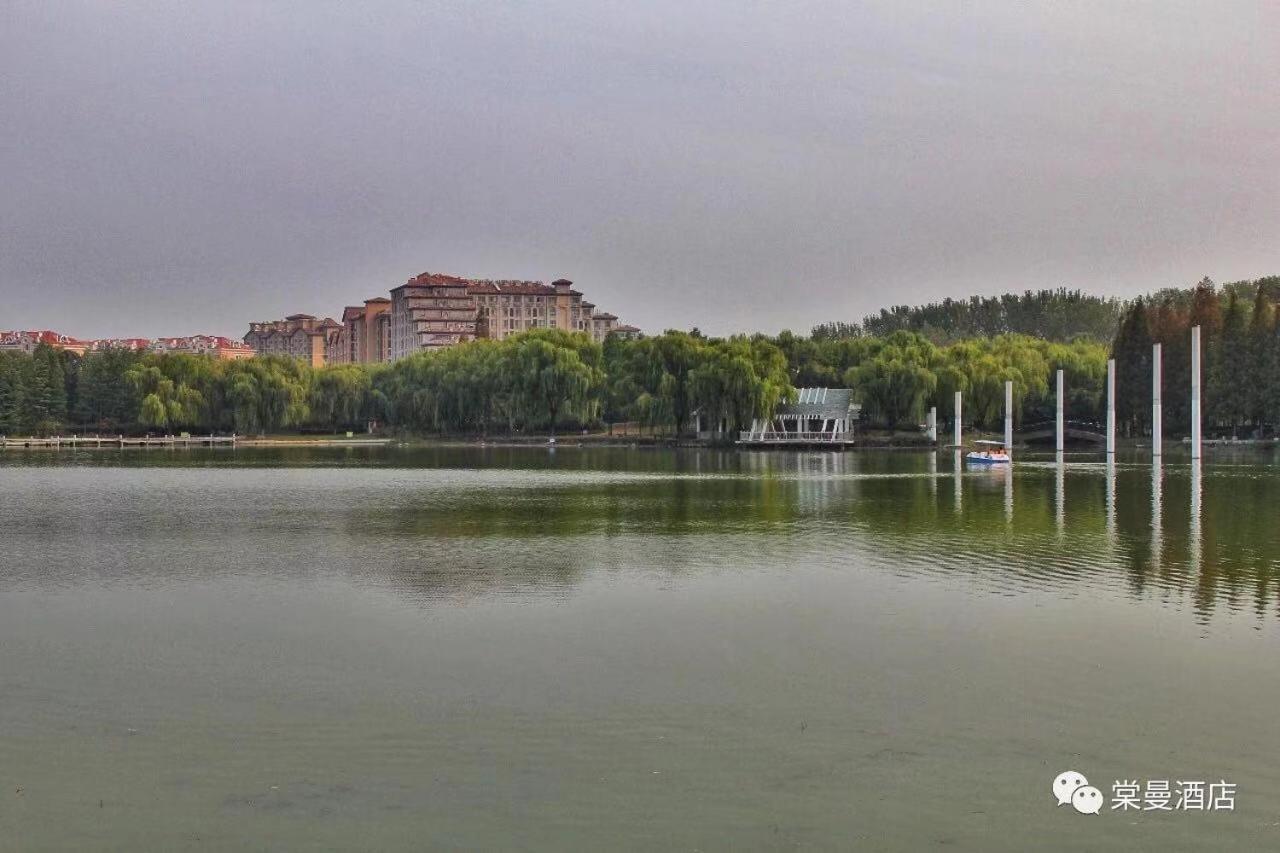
x,y
1233,564
898,511
540,521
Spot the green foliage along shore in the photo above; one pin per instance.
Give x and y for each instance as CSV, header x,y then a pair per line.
x,y
547,379
1240,357
534,382
1055,315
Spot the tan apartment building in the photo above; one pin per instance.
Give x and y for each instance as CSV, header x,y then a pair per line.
x,y
431,311
509,307
364,334
298,336
603,325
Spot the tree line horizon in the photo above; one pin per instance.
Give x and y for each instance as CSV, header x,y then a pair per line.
x,y
899,363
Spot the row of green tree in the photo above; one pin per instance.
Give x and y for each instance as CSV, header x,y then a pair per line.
x,y
52,390
548,379
538,381
1055,315
900,376
1240,357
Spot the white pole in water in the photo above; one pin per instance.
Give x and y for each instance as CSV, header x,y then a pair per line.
x,y
1008,417
957,425
1111,406
1195,392
1058,434
1157,428
933,424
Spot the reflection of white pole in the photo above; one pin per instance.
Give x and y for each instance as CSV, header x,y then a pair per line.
x,y
1058,434
1111,406
1008,417
1195,392
959,466
957,429
1194,543
1111,500
1008,494
1157,509
1060,496
1157,416
931,464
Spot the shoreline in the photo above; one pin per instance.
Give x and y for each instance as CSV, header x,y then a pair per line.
x,y
868,442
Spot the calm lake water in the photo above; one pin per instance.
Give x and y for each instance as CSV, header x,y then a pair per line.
x,y
612,649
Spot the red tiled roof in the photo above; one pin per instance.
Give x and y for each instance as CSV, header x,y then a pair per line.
x,y
436,278
517,288
489,287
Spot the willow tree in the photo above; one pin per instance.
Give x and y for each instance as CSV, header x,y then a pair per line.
x,y
895,382
739,379
339,395
665,365
153,413
555,378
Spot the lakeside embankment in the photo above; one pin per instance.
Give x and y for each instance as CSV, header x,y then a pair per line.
x,y
867,441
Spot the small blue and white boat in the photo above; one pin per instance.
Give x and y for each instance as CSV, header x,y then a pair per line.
x,y
989,453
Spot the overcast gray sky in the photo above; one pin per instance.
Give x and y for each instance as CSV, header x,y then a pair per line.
x,y
180,168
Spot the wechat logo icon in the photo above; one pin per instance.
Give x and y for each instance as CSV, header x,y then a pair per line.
x,y
1071,787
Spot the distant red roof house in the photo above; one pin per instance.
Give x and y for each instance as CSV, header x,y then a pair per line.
x,y
119,343
214,345
27,341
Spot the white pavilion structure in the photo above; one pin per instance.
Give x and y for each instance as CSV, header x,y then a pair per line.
x,y
816,416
